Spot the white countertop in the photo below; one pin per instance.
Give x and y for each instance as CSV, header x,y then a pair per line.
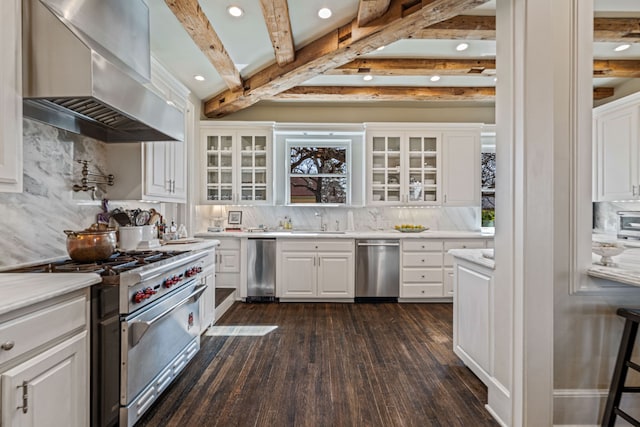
x,y
476,256
390,234
626,269
18,290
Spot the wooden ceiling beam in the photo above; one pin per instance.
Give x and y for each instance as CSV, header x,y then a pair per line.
x,y
386,93
465,27
276,16
616,68
399,93
624,68
368,10
197,25
625,30
415,67
336,48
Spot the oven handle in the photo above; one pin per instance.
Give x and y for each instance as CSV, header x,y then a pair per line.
x,y
138,329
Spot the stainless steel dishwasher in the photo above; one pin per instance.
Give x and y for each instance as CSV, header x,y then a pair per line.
x,y
377,270
261,269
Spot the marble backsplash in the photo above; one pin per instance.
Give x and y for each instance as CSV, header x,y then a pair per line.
x,y
369,218
34,220
605,217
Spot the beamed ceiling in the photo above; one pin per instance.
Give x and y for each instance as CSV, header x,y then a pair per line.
x,y
308,60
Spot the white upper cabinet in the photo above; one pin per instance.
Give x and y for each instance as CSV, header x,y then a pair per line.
x,y
11,96
616,156
236,163
155,171
426,165
461,173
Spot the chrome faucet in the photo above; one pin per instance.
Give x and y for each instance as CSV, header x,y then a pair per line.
x,y
323,227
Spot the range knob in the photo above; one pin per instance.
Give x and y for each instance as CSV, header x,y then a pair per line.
x,y
193,271
170,281
143,294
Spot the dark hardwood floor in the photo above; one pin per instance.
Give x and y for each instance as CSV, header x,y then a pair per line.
x,y
328,365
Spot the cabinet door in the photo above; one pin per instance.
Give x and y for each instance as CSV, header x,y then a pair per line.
x,y
335,275
421,181
53,385
208,300
461,169
298,278
229,261
218,167
11,96
179,171
157,174
254,171
617,155
385,168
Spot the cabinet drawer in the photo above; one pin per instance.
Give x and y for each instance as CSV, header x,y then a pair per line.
x,y
421,275
421,245
426,259
323,245
475,244
421,291
34,329
464,244
229,243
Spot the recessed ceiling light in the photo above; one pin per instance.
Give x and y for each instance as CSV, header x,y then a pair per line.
x,y
325,13
462,46
199,78
622,47
380,48
367,78
171,103
434,78
235,11
495,79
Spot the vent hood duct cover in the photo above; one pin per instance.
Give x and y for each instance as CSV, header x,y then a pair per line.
x,y
85,73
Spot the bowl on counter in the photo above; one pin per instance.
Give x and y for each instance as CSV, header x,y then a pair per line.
x,y
606,250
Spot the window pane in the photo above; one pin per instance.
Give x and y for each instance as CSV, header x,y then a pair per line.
x,y
318,190
318,160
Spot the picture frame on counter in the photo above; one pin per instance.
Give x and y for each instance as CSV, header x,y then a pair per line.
x,y
235,217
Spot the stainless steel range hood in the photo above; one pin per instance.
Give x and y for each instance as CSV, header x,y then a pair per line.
x,y
85,67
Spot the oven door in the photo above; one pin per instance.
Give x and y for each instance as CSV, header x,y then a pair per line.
x,y
154,340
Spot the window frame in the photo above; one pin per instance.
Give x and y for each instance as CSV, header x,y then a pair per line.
x,y
319,142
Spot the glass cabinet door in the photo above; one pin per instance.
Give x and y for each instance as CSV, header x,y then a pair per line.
x,y
253,168
219,168
422,185
386,167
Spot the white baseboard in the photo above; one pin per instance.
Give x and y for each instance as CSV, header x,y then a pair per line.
x,y
578,407
225,305
499,402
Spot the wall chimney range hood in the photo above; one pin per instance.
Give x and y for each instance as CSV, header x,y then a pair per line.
x,y
86,68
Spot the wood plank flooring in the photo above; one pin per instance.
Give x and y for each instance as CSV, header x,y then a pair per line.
x,y
328,365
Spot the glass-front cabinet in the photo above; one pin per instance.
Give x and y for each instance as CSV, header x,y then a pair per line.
x,y
237,165
404,167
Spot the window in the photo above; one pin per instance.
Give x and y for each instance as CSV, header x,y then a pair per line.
x,y
318,171
488,183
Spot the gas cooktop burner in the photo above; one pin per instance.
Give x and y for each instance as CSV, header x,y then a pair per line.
x,y
117,263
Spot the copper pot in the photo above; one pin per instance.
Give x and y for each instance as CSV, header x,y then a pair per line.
x,y
90,245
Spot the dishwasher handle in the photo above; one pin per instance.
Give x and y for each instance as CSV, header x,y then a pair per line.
x,y
378,244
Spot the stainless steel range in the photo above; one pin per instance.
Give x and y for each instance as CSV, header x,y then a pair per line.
x,y
144,327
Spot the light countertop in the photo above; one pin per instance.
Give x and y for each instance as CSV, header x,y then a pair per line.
x,y
18,290
482,257
626,269
390,234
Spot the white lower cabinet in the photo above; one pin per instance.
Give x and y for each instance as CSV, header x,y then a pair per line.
x,y
427,268
228,263
44,364
322,269
208,298
472,321
50,389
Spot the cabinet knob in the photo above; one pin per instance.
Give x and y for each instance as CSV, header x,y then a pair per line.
x,y
422,291
7,345
422,260
422,246
422,276
464,246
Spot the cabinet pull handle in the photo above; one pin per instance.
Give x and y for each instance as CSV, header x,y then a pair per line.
x,y
318,261
169,182
25,397
7,345
314,261
445,198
